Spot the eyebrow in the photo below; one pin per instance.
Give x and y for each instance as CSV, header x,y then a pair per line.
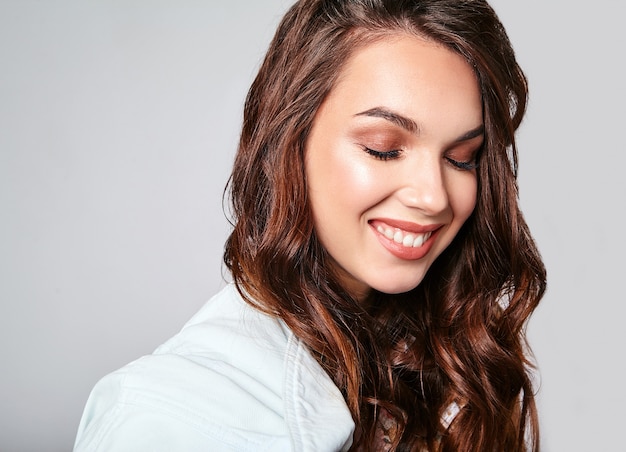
x,y
397,119
411,126
477,132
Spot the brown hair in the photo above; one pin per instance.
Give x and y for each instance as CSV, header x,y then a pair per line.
x,y
459,336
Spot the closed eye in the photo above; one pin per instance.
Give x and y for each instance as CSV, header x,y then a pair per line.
x,y
464,166
382,155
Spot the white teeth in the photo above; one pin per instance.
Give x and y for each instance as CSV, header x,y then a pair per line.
x,y
406,239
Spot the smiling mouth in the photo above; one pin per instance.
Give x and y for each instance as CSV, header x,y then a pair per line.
x,y
406,239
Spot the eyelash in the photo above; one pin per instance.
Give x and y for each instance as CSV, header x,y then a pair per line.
x,y
383,155
463,166
393,154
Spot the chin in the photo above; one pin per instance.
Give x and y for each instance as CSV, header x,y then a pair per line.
x,y
396,287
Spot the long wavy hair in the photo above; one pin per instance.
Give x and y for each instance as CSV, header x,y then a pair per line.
x,y
458,339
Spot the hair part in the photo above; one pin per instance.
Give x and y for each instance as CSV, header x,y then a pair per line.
x,y
448,340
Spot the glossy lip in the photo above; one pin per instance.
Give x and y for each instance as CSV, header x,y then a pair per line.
x,y
397,249
407,226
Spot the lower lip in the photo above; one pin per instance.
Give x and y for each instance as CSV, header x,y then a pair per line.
x,y
406,252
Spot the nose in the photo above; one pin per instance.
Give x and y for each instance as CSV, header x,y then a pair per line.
x,y
423,186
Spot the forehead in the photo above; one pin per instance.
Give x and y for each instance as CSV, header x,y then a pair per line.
x,y
409,74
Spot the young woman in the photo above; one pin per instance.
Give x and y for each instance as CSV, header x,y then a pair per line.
x,y
383,273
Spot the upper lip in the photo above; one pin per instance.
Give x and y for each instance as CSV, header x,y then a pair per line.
x,y
407,226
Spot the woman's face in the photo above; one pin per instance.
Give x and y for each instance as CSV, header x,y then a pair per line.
x,y
390,162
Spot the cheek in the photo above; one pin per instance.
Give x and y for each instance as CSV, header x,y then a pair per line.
x,y
463,197
355,177
350,178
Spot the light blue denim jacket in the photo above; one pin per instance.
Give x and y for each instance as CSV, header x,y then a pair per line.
x,y
234,379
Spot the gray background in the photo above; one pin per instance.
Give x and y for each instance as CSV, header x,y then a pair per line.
x,y
118,125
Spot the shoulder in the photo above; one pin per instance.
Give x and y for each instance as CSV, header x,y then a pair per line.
x,y
232,379
229,330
